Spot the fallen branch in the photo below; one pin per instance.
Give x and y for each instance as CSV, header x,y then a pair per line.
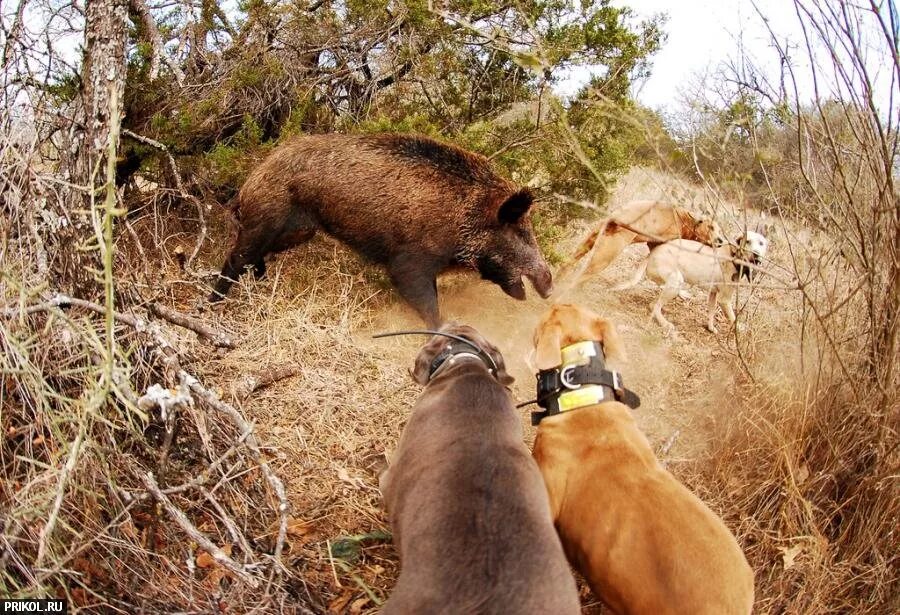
x,y
168,357
252,444
60,300
196,535
247,385
218,339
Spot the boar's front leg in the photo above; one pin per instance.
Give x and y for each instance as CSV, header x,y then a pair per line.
x,y
414,277
252,245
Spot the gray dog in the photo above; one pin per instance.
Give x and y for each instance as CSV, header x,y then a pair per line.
x,y
467,504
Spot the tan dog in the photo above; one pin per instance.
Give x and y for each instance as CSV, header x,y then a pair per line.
x,y
645,544
467,506
650,222
676,264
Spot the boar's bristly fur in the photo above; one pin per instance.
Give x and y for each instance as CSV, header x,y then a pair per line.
x,y
411,203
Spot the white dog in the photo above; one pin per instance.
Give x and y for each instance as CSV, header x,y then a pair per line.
x,y
679,263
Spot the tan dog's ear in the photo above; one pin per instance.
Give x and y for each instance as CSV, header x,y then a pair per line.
x,y
547,345
606,333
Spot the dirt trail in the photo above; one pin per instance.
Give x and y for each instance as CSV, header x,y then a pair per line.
x,y
684,386
331,428
678,382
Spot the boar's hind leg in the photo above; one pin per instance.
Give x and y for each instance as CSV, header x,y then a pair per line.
x,y
251,248
414,278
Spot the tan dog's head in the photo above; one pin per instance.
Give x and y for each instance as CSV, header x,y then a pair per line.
x,y
436,345
567,324
708,231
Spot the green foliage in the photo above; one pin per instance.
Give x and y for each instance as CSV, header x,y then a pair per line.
x,y
414,122
548,231
461,72
228,164
65,89
349,548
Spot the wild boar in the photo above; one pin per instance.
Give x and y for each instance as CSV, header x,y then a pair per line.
x,y
408,202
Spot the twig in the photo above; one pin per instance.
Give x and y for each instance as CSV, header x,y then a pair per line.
x,y
531,138
196,535
200,479
253,446
57,502
247,385
218,339
236,535
162,147
201,237
168,404
156,43
667,446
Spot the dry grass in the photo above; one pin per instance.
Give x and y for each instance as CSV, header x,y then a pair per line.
x,y
776,456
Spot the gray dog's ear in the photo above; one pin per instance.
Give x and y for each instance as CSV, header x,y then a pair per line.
x,y
429,351
503,376
422,367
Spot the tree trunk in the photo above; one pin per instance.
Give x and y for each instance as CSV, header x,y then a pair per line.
x,y
102,82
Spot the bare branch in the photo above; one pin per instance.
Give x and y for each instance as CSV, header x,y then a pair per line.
x,y
217,338
247,385
196,535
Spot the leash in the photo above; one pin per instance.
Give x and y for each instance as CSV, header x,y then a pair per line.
x,y
582,380
439,360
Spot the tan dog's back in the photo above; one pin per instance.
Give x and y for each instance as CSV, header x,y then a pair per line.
x,y
644,542
650,222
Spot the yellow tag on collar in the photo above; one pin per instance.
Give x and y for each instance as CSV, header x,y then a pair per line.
x,y
579,353
587,395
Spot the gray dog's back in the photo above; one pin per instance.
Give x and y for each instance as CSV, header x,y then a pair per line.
x,y
469,509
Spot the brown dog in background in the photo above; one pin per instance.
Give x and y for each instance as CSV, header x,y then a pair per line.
x,y
644,542
467,506
650,222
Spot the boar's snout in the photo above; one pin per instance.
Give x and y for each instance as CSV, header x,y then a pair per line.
x,y
507,250
541,279
509,277
514,289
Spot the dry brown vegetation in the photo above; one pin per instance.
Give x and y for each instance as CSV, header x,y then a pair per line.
x,y
142,463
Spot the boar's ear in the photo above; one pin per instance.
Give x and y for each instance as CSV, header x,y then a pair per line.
x,y
515,206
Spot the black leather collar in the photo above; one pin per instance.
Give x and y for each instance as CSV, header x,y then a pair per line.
x,y
454,349
602,385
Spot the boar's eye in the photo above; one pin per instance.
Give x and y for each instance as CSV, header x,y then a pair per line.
x,y
514,207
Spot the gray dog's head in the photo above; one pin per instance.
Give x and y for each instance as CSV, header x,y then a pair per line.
x,y
421,372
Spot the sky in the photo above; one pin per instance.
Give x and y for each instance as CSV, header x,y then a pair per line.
x,y
702,34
